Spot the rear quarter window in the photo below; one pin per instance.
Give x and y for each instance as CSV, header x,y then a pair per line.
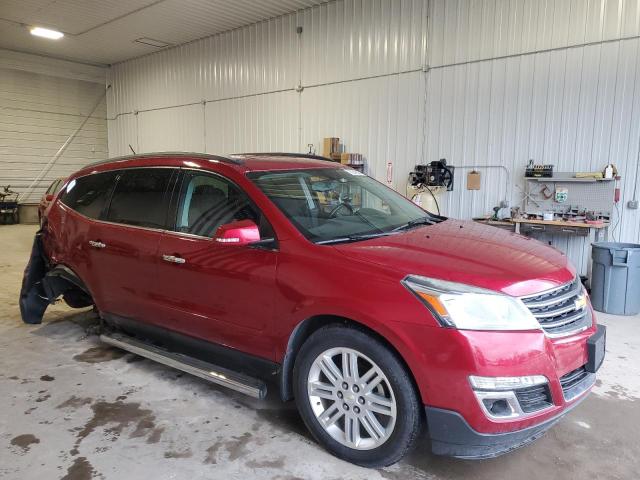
x,y
89,195
58,186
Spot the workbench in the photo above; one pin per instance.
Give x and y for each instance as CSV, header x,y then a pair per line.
x,y
595,231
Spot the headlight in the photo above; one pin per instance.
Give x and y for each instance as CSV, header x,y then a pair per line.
x,y
471,308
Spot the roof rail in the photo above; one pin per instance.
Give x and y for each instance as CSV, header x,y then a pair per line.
x,y
220,158
283,154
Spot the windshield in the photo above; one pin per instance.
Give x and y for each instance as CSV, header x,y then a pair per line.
x,y
331,205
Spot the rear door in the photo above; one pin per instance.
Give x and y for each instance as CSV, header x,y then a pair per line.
x,y
83,202
218,292
124,246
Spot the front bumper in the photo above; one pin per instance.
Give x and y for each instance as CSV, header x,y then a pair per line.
x,y
452,436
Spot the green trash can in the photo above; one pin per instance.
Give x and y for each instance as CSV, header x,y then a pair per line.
x,y
615,278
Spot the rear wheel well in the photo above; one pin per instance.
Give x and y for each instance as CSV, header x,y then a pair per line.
x,y
61,280
305,329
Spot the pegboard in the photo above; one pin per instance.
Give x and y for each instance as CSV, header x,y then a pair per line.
x,y
585,194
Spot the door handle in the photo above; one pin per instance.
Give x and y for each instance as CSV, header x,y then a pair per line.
x,y
95,244
173,259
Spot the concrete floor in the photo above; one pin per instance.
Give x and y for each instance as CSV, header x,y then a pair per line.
x,y
72,408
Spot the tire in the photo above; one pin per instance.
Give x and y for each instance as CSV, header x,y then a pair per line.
x,y
382,388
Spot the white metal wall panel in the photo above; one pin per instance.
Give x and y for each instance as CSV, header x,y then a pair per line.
x,y
464,30
378,117
37,114
350,39
52,67
262,123
341,40
123,131
256,59
175,129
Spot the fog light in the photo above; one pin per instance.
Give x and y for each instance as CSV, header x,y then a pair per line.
x,y
499,408
497,395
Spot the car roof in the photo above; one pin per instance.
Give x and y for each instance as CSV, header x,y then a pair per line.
x,y
241,161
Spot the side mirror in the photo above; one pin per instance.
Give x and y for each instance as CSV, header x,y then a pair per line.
x,y
242,232
48,197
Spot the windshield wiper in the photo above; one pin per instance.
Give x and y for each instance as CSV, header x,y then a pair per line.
x,y
414,223
354,238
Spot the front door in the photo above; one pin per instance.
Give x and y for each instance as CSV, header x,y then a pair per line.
x,y
221,293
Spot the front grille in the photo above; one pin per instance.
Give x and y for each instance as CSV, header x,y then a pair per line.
x,y
534,398
560,310
575,382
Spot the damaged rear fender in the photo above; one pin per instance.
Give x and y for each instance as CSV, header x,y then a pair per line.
x,y
43,283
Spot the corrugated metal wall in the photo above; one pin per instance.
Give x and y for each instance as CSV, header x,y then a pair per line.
x,y
507,81
37,114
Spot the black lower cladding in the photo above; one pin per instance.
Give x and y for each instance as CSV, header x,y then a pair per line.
x,y
452,436
219,355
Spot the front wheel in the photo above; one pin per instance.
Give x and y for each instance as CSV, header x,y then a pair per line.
x,y
356,397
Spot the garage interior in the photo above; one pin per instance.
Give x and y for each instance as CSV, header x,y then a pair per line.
x,y
534,106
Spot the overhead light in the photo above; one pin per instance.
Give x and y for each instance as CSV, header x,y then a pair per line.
x,y
46,33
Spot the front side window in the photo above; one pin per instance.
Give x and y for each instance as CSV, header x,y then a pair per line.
x,y
336,204
140,197
88,195
210,201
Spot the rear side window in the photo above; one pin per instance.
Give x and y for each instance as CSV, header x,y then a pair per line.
x,y
140,197
89,195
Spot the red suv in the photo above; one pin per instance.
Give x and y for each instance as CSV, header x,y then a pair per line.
x,y
378,317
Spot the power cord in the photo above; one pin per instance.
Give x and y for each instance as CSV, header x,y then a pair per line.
x,y
421,188
613,230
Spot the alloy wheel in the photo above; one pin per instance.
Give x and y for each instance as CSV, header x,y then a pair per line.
x,y
351,398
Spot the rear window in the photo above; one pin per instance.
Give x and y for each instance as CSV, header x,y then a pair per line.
x,y
89,195
140,197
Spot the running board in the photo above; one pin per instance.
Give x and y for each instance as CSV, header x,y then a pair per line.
x,y
214,374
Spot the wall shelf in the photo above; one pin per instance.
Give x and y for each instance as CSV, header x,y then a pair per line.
x,y
567,177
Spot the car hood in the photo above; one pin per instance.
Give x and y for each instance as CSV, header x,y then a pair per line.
x,y
468,252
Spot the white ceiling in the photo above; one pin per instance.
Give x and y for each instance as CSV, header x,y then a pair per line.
x,y
104,31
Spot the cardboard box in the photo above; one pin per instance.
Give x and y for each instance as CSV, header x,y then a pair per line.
x,y
330,145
